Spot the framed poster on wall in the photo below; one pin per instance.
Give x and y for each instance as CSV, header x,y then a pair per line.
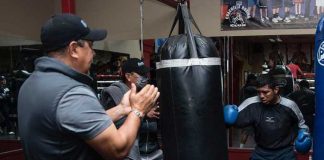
x,y
270,14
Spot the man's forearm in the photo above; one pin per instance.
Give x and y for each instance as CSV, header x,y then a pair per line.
x,y
127,134
130,128
116,143
117,112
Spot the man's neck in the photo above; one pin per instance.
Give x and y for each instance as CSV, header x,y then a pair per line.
x,y
277,99
60,57
65,59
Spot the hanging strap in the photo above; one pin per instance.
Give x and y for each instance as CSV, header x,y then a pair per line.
x,y
176,18
188,31
179,14
142,34
194,22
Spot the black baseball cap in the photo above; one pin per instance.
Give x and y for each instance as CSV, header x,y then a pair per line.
x,y
61,29
135,65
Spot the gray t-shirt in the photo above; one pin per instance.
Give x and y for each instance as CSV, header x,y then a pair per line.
x,y
80,115
58,112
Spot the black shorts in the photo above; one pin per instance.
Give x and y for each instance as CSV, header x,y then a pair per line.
x,y
288,3
262,3
276,3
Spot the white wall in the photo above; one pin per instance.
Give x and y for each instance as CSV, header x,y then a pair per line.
x,y
122,17
131,47
21,20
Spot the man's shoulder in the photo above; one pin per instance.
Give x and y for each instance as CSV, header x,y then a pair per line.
x,y
290,105
110,90
76,95
308,91
81,90
287,102
118,87
255,100
113,94
295,94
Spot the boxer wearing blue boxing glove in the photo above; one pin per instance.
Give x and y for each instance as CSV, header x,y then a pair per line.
x,y
275,121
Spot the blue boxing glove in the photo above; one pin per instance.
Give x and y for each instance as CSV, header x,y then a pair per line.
x,y
303,142
230,114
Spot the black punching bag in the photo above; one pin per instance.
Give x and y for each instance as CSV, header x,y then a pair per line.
x,y
190,81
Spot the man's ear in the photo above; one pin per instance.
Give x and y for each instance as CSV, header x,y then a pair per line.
x,y
72,49
127,76
276,90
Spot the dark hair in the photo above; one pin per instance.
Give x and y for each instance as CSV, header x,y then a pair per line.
x,y
61,51
304,84
278,76
265,79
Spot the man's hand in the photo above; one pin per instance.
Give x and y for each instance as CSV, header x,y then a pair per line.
x,y
122,109
230,114
144,100
115,143
125,107
153,113
303,142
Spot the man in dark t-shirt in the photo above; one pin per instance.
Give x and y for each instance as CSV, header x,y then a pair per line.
x,y
305,99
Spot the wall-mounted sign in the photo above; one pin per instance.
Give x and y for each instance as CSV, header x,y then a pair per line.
x,y
270,14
